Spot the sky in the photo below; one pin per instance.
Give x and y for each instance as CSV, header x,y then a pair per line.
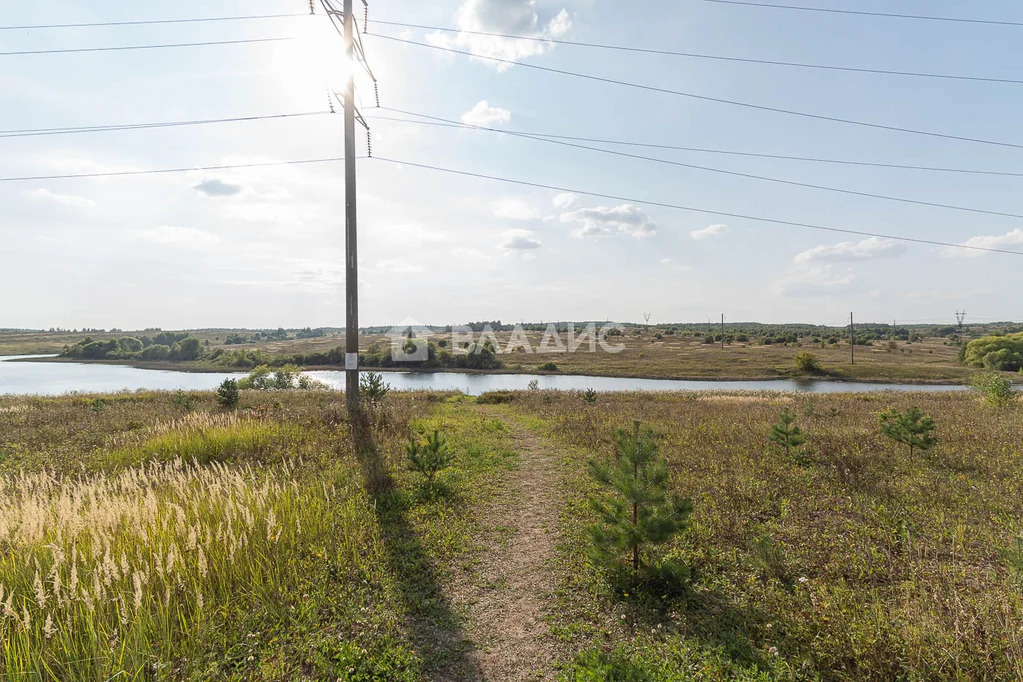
x,y
264,246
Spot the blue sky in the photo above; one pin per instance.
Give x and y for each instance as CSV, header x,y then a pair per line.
x,y
264,246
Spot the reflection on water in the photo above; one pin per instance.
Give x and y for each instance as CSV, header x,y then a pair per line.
x,y
55,378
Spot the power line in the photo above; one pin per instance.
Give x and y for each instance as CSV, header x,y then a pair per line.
x,y
150,22
143,47
110,174
706,98
35,132
696,55
679,207
724,171
891,15
704,150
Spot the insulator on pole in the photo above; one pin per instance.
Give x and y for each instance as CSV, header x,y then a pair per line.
x,y
376,93
312,6
369,143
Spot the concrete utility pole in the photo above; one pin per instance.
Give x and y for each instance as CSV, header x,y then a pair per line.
x,y
351,245
852,341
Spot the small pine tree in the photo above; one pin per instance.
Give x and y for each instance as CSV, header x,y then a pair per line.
x,y
787,436
589,395
912,428
373,388
430,457
227,394
639,513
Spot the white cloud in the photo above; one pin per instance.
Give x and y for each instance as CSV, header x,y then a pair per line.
x,y
565,200
42,194
874,247
520,239
604,220
182,237
708,232
485,115
510,17
515,209
397,266
1002,241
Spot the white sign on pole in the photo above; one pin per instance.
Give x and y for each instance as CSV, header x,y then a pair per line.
x,y
351,361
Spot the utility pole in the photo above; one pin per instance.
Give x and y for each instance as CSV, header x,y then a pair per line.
x,y
852,341
351,245
722,331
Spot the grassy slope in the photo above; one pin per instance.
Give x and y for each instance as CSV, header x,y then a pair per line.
x,y
864,565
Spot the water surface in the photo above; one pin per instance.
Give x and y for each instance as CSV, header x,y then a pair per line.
x,y
56,378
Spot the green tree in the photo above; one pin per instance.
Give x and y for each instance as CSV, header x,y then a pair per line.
x,y
372,387
227,393
912,428
808,362
787,436
187,349
430,457
129,344
1000,353
637,513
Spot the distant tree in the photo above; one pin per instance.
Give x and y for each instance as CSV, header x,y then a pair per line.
x,y
912,428
808,362
186,349
128,344
996,389
155,352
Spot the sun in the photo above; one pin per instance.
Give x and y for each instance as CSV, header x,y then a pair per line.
x,y
313,64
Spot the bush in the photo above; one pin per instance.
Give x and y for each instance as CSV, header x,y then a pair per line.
x,y
430,457
548,367
808,362
283,378
589,395
1000,353
227,393
155,352
495,397
187,349
997,390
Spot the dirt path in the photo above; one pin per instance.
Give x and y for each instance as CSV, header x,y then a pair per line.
x,y
506,595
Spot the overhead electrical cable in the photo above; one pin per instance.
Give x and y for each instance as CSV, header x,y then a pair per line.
x,y
157,171
726,214
116,48
150,22
723,171
890,15
702,150
70,130
697,55
706,98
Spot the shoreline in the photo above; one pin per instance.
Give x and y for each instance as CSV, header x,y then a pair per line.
x,y
207,369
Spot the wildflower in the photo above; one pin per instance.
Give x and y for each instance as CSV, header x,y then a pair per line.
x,y
773,651
48,628
803,579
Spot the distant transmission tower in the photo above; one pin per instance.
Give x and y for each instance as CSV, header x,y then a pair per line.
x,y
960,318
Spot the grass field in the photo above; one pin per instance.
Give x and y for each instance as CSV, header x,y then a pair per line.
x,y
672,356
150,537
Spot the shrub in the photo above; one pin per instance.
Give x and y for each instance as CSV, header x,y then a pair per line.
x,y
997,390
227,393
372,387
187,349
155,352
589,395
912,428
638,514
548,367
1000,353
283,378
495,397
430,457
808,362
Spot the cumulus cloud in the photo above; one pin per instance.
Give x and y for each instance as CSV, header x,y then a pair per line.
x,y
42,194
604,220
520,240
1001,241
181,237
510,17
214,187
709,232
866,249
515,209
485,115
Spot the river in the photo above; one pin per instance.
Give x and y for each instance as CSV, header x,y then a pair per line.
x,y
56,378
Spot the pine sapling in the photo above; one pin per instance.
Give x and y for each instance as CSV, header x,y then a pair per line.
x,y
787,436
227,394
912,428
430,457
637,513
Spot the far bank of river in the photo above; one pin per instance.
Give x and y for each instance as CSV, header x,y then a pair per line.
x,y
56,378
